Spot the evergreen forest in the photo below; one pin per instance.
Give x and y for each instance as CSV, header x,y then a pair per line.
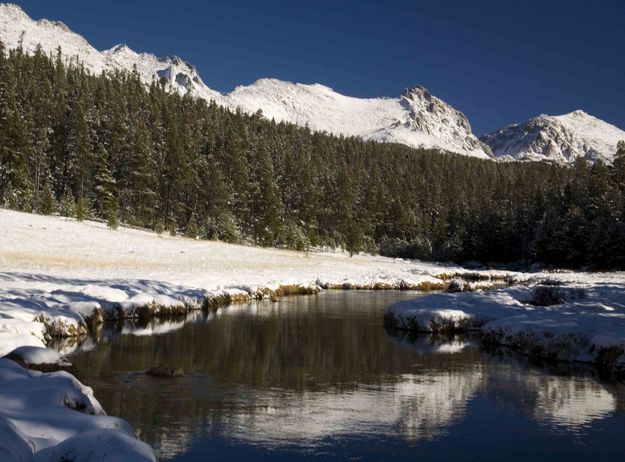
x,y
110,147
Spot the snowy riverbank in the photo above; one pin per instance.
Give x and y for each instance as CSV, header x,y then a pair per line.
x,y
63,278
59,277
574,319
53,417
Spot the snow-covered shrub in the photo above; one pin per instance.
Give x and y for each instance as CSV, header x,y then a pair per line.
x,y
295,237
547,295
456,285
223,228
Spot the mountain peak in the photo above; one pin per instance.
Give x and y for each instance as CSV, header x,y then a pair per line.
x,y
271,81
119,48
560,139
14,12
578,113
12,9
416,90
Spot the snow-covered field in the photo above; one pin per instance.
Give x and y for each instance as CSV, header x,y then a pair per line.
x,y
62,272
59,276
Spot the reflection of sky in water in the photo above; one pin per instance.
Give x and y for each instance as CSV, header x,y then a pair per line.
x,y
318,376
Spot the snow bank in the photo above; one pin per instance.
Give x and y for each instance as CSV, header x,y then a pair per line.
x,y
13,444
40,411
33,355
102,445
453,312
15,333
588,323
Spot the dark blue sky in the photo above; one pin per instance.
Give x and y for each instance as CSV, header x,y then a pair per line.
x,y
497,61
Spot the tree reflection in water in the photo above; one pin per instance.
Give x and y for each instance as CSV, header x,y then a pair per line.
x,y
307,372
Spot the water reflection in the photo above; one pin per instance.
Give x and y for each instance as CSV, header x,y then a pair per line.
x,y
414,406
310,374
568,402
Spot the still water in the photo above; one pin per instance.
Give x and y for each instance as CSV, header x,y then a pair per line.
x,y
318,378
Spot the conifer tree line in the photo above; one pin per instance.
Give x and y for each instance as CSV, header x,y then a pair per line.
x,y
112,148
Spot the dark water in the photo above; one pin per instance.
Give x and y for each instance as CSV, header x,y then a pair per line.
x,y
319,378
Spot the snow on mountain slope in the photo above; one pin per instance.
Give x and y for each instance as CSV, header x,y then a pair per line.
x,y
416,118
17,27
179,74
316,105
436,119
560,139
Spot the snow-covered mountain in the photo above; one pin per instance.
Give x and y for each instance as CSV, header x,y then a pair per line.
x,y
17,27
415,118
560,139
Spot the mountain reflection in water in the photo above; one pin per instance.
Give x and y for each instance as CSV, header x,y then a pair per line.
x,y
318,377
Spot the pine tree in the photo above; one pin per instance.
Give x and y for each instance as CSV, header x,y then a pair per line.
x,y
67,205
192,229
112,220
15,149
39,164
618,166
159,228
353,238
47,200
106,190
79,155
83,211
223,227
344,202
238,169
267,208
139,190
174,173
11,198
